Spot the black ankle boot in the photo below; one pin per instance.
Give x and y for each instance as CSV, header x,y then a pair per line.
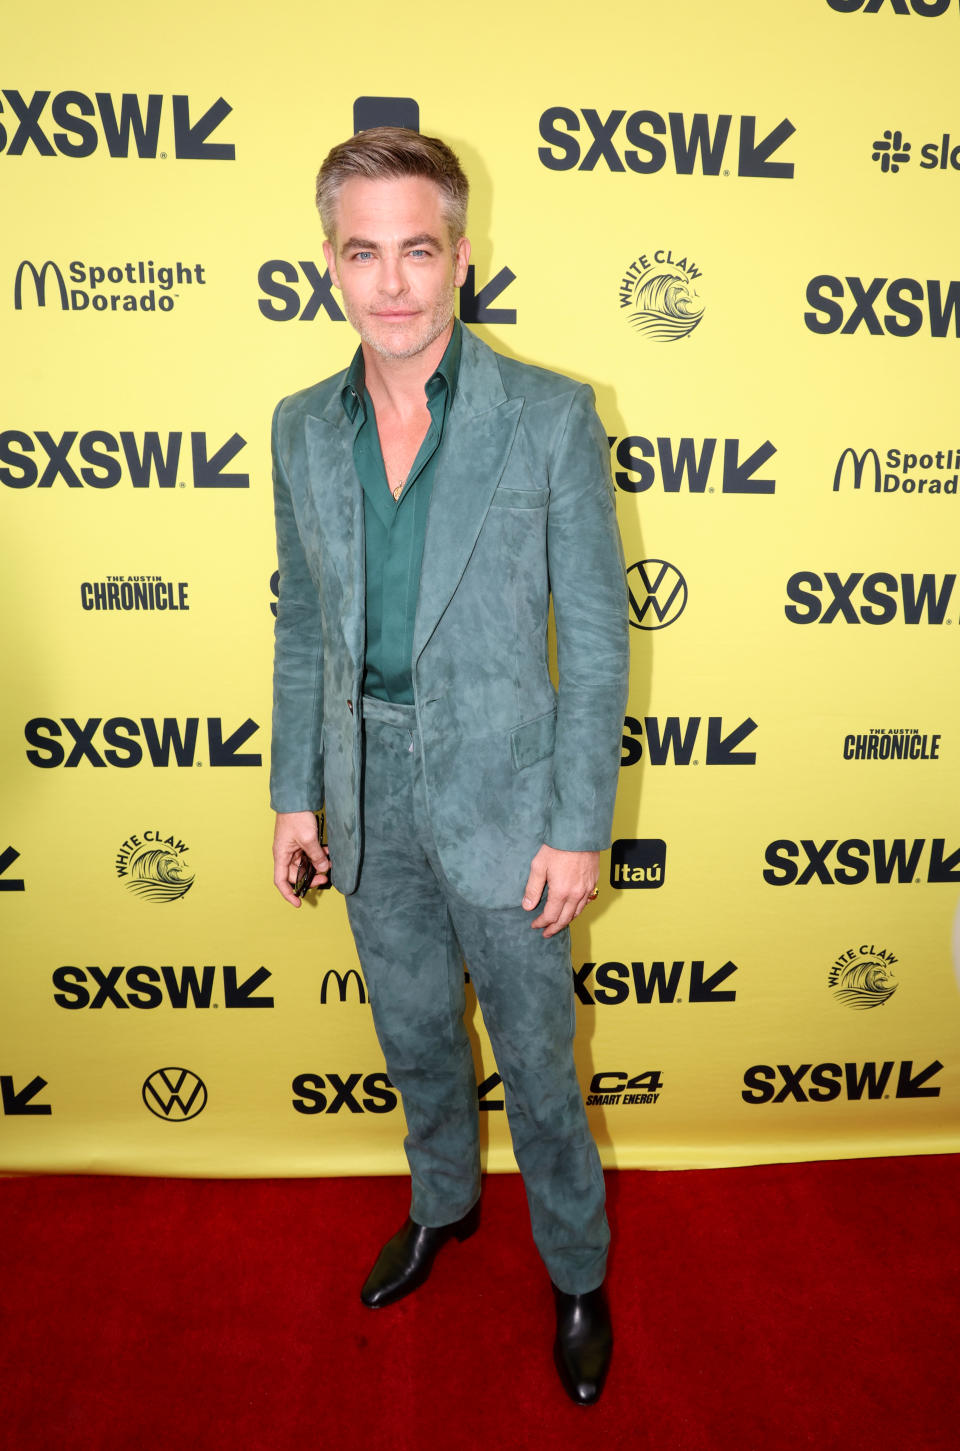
x,y
584,1343
407,1259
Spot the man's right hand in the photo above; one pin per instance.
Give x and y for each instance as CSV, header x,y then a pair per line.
x,y
295,835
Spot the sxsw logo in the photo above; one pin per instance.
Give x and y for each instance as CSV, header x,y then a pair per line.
x,y
8,856
638,863
873,599
319,1093
18,1102
75,124
583,139
685,463
827,1081
99,459
927,9
616,982
892,152
856,860
672,740
151,987
67,742
299,290
914,306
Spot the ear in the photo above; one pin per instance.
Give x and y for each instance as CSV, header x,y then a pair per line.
x,y
330,257
461,259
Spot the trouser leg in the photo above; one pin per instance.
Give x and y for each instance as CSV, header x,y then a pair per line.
x,y
525,989
414,973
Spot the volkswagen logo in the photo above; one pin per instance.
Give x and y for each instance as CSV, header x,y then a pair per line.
x,y
174,1094
658,594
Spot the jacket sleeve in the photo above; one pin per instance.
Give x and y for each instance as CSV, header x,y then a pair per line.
x,y
588,584
296,761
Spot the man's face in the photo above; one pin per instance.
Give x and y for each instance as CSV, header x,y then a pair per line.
x,y
394,263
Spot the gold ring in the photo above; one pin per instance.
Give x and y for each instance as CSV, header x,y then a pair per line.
x,y
594,895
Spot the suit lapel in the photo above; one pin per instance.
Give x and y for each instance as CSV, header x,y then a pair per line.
x,y
338,505
476,446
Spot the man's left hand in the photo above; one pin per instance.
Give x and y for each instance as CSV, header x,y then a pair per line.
x,y
569,876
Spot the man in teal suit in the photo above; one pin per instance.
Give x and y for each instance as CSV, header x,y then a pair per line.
x,y
430,499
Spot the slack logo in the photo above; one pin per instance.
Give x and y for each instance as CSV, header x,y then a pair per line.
x,y
638,863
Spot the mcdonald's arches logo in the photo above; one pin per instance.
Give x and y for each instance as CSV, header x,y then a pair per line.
x,y
858,462
342,979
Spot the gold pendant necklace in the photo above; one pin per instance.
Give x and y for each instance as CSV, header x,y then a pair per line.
x,y
398,490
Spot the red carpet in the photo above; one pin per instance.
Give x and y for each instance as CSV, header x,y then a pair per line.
x,y
811,1305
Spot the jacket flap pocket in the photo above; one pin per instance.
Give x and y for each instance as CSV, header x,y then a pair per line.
x,y
519,498
533,740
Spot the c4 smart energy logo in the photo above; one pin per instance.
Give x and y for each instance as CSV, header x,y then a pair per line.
x,y
153,866
625,1090
659,298
75,125
174,1094
657,593
863,977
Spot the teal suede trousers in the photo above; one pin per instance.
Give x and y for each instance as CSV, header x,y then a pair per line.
x,y
413,934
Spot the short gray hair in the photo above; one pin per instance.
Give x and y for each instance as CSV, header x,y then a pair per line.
x,y
394,151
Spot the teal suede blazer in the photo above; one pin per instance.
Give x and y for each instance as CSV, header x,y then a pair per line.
x,y
522,509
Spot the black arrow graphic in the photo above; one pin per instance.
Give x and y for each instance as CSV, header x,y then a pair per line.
x,y
190,142
943,868
706,989
754,154
19,1103
208,473
909,1083
475,306
487,1086
240,994
721,749
7,859
226,752
738,477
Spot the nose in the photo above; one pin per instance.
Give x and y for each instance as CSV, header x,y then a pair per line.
x,y
392,281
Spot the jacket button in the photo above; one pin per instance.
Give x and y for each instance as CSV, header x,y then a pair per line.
x,y
350,706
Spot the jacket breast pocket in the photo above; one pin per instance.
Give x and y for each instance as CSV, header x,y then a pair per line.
x,y
519,498
533,740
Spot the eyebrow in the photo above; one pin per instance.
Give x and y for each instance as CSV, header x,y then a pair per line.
x,y
363,245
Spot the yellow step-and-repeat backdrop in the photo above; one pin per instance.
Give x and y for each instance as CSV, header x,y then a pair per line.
x,y
738,222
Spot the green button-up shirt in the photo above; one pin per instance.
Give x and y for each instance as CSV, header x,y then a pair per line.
x,y
394,530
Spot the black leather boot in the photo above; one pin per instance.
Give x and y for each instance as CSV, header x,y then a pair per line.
x,y
407,1259
584,1343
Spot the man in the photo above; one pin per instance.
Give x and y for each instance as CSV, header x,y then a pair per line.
x,y
429,500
